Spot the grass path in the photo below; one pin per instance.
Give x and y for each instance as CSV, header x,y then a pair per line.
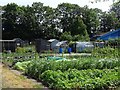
x,y
13,79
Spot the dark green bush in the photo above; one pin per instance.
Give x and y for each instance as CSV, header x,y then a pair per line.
x,y
105,52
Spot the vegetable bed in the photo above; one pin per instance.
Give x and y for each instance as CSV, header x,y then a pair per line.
x,y
83,79
96,72
37,67
83,74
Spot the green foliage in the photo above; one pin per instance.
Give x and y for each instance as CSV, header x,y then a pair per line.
x,y
91,73
105,52
21,65
81,38
91,19
37,67
111,18
10,59
10,23
77,38
78,27
20,50
116,8
27,49
66,36
39,21
114,42
83,80
42,21
97,1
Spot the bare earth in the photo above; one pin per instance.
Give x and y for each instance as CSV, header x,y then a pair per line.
x,y
14,79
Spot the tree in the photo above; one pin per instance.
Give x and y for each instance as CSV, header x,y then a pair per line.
x,y
50,22
71,19
27,23
18,22
116,9
66,13
66,36
108,22
90,19
95,1
9,20
45,20
38,21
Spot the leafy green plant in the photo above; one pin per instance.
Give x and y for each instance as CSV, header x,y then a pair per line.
x,y
114,42
84,79
11,58
105,52
21,65
20,50
37,67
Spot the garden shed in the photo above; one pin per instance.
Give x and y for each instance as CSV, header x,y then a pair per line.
x,y
8,45
41,45
19,42
110,35
82,46
99,44
53,43
61,44
11,45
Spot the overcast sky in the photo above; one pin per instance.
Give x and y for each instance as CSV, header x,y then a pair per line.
x,y
53,3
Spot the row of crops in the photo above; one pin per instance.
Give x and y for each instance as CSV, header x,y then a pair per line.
x,y
39,66
11,58
81,73
83,79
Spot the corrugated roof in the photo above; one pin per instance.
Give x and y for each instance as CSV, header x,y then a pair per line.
x,y
110,35
61,43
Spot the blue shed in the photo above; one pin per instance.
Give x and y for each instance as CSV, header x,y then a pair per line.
x,y
110,35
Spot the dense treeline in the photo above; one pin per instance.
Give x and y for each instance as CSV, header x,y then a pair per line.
x,y
67,21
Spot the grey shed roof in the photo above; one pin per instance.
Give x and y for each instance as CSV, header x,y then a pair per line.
x,y
7,40
52,40
64,43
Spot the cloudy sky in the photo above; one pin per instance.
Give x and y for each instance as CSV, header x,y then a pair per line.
x,y
53,3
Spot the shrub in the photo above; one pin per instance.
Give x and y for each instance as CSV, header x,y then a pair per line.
x,y
20,50
105,52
